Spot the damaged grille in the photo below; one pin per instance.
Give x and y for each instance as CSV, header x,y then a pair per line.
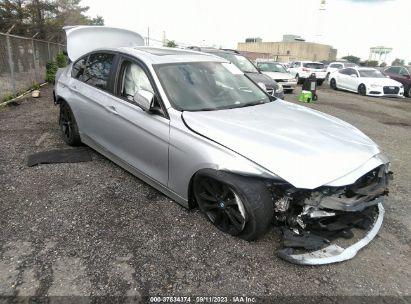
x,y
311,219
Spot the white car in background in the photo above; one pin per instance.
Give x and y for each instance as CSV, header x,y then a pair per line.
x,y
279,73
366,81
303,69
335,66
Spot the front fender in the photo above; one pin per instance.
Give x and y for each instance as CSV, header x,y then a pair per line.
x,y
190,152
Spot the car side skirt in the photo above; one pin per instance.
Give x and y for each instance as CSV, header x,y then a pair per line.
x,y
126,166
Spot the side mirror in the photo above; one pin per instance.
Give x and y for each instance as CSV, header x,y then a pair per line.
x,y
354,75
262,85
144,99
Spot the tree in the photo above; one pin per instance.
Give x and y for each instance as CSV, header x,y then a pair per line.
x,y
43,18
398,61
369,63
353,59
97,21
171,43
13,12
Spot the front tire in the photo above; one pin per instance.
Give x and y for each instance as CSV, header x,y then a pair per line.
x,y
362,90
320,82
299,80
333,84
68,125
409,92
237,205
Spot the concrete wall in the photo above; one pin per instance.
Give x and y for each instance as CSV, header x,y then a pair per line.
x,y
289,51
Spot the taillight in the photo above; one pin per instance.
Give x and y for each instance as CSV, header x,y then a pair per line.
x,y
306,70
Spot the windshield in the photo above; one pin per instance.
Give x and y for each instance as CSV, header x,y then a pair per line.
x,y
240,61
313,65
200,86
271,67
371,73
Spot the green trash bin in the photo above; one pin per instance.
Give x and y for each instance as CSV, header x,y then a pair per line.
x,y
305,96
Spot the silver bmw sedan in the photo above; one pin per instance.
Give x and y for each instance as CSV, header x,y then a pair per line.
x,y
198,129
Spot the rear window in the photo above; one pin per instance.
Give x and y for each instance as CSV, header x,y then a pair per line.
x,y
98,70
78,68
313,65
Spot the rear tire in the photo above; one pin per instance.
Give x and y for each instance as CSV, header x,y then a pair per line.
x,y
68,125
408,93
320,82
362,90
299,80
237,205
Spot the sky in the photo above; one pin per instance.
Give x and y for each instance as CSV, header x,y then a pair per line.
x,y
351,26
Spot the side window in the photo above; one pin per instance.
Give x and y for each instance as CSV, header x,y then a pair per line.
x,y
98,70
352,71
343,71
133,78
78,68
393,70
404,72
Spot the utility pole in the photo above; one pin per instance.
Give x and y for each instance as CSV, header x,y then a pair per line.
x,y
148,35
34,56
11,63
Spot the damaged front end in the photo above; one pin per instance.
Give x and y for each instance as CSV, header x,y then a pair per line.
x,y
319,225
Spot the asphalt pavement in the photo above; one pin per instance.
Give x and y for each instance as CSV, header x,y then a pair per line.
x,y
92,229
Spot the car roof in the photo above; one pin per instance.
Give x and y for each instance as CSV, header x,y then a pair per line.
x,y
163,55
363,68
307,61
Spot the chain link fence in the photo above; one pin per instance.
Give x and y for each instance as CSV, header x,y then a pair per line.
x,y
23,62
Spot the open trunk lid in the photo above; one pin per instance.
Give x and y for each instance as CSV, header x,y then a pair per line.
x,y
84,39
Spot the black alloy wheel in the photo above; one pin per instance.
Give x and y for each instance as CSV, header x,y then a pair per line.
x,y
68,126
222,205
333,84
362,90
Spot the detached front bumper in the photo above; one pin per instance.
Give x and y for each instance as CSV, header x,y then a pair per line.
x,y
334,253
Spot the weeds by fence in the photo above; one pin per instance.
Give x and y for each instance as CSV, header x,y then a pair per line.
x,y
23,62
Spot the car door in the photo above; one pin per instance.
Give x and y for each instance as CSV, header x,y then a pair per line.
x,y
139,138
393,72
90,85
342,78
352,80
404,77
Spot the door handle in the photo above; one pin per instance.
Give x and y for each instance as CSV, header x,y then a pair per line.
x,y
112,110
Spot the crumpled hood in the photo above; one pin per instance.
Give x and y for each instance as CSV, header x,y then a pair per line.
x,y
278,76
306,148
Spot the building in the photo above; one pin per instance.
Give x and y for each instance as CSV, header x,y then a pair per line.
x,y
254,39
291,49
379,53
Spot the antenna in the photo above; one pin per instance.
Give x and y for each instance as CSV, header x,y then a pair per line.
x,y
321,14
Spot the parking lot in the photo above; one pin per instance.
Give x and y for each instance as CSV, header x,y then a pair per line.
x,y
92,229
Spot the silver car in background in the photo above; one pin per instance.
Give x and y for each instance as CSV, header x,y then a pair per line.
x,y
195,127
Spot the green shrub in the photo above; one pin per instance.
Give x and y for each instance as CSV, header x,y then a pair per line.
x,y
51,69
61,60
